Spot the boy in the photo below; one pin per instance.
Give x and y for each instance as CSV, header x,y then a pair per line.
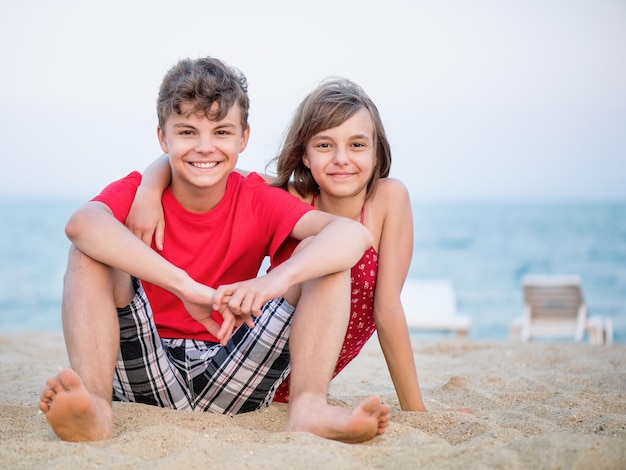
x,y
183,344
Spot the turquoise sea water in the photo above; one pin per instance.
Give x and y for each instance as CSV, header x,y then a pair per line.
x,y
483,248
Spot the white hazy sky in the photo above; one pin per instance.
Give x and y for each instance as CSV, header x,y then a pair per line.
x,y
485,99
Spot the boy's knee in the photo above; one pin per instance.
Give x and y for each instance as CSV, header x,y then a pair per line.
x,y
83,270
328,287
77,260
327,284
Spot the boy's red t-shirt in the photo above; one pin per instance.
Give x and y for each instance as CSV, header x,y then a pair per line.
x,y
222,246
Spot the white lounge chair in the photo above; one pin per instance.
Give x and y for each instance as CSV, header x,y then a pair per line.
x,y
554,307
430,305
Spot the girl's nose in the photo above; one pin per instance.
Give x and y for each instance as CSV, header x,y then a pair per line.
x,y
340,157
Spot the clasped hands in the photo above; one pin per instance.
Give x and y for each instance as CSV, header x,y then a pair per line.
x,y
237,303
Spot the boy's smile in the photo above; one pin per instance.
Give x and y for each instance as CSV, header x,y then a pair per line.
x,y
202,154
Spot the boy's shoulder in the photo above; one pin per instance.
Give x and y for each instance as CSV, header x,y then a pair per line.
x,y
255,182
257,190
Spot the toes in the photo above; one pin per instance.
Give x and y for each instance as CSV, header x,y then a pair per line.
x,y
69,379
53,383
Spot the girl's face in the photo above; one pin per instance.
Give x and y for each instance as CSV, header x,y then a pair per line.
x,y
342,159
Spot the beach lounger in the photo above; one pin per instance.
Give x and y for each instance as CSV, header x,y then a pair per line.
x,y
554,307
430,305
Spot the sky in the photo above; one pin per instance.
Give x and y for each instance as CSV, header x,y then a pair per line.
x,y
481,100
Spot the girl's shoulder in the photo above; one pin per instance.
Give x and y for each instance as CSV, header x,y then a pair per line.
x,y
391,199
390,191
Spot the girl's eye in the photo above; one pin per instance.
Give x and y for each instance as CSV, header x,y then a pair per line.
x,y
323,145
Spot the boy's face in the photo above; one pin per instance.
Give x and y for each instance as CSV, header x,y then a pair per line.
x,y
202,152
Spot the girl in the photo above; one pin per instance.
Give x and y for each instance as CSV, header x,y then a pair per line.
x,y
336,157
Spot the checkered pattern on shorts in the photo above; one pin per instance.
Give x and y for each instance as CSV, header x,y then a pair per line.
x,y
191,374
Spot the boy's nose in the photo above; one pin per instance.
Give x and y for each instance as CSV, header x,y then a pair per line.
x,y
204,145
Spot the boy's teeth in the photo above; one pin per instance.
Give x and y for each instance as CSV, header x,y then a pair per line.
x,y
204,165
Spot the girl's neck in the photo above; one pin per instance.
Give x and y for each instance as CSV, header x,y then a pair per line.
x,y
349,207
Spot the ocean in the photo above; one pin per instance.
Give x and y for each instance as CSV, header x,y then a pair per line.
x,y
483,248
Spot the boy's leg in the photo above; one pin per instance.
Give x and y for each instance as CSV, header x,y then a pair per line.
x,y
317,333
77,402
146,372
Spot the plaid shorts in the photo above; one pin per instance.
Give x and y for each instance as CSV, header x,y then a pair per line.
x,y
199,375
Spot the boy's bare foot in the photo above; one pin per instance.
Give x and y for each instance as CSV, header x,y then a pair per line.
x,y
73,413
312,414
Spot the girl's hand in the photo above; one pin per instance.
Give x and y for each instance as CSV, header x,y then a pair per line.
x,y
145,218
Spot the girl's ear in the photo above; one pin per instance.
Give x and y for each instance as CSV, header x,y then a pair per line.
x,y
305,160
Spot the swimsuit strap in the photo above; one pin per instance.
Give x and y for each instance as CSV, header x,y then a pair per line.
x,y
362,218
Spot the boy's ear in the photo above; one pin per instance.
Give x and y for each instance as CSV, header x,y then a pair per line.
x,y
162,141
244,139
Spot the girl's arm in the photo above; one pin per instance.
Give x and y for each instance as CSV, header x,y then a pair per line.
x,y
395,251
145,218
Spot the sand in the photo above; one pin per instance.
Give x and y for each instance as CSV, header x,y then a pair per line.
x,y
557,406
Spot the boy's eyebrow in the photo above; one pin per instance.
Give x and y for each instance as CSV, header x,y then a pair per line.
x,y
219,126
227,124
182,124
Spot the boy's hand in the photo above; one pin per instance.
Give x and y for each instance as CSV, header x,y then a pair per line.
x,y
222,299
246,298
201,312
198,301
145,218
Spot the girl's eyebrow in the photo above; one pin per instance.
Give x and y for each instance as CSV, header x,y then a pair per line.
x,y
361,136
321,136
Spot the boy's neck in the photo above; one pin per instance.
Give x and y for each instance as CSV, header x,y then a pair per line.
x,y
196,199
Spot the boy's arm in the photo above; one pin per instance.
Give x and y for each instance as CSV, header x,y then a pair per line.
x,y
96,232
334,244
145,218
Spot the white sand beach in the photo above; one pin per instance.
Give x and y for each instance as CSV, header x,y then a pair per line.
x,y
538,405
